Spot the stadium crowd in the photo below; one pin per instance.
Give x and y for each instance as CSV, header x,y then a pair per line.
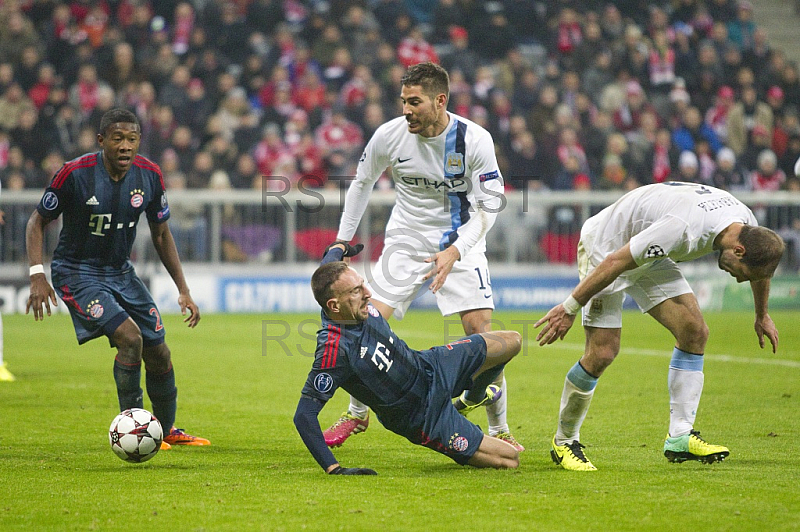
x,y
591,94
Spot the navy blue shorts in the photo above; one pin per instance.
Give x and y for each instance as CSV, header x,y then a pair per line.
x,y
451,369
99,305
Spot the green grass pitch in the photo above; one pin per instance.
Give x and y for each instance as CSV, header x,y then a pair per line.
x,y
239,387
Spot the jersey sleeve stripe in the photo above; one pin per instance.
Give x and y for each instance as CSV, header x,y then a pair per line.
x,y
147,164
68,168
331,347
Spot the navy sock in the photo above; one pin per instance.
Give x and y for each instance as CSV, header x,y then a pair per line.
x,y
129,390
479,384
164,395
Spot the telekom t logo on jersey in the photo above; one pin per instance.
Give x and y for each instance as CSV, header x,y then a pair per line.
x,y
99,223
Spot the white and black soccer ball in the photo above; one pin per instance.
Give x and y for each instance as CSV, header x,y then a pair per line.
x,y
135,435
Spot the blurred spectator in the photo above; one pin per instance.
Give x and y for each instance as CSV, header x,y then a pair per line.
x,y
414,49
767,175
688,168
729,175
12,103
202,168
741,29
528,167
692,129
661,160
461,57
245,172
17,33
744,117
717,116
570,174
791,155
628,117
270,150
39,93
84,94
341,142
29,136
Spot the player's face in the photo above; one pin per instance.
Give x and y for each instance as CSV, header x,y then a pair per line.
x,y
120,145
352,296
731,262
423,113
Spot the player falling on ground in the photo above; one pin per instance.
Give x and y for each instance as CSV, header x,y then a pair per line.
x,y
632,247
101,196
449,192
410,391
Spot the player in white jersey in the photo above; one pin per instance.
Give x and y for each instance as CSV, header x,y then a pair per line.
x,y
632,247
449,191
5,375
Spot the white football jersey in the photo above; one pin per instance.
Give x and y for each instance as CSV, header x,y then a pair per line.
x,y
675,220
449,187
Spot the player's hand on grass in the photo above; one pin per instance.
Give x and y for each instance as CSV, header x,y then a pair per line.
x,y
765,327
187,303
339,470
556,325
41,294
442,264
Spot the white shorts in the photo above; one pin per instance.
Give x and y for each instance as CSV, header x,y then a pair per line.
x,y
648,285
396,280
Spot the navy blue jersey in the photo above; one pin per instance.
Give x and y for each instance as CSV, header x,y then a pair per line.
x,y
100,215
370,362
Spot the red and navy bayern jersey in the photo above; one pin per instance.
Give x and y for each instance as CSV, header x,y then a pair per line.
x,y
376,367
99,214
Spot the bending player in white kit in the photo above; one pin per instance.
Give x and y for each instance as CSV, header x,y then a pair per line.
x,y
633,247
449,192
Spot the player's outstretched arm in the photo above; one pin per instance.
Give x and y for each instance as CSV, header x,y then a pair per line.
x,y
168,253
559,319
41,292
764,325
307,424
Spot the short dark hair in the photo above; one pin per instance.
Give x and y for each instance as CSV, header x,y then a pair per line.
x,y
431,77
763,248
324,278
115,116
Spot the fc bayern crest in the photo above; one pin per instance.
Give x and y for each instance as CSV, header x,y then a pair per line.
x,y
137,200
373,311
96,311
454,163
460,444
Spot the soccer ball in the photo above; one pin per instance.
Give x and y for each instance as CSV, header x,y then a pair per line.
x,y
135,435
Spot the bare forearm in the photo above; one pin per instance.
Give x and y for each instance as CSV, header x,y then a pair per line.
x,y
34,238
760,296
606,272
168,253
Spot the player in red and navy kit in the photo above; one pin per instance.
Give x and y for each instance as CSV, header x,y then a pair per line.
x,y
101,196
410,391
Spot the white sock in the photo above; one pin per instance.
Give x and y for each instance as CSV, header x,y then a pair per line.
x,y
574,406
685,388
357,408
496,413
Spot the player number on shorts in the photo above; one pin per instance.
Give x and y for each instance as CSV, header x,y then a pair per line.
x,y
480,279
154,312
